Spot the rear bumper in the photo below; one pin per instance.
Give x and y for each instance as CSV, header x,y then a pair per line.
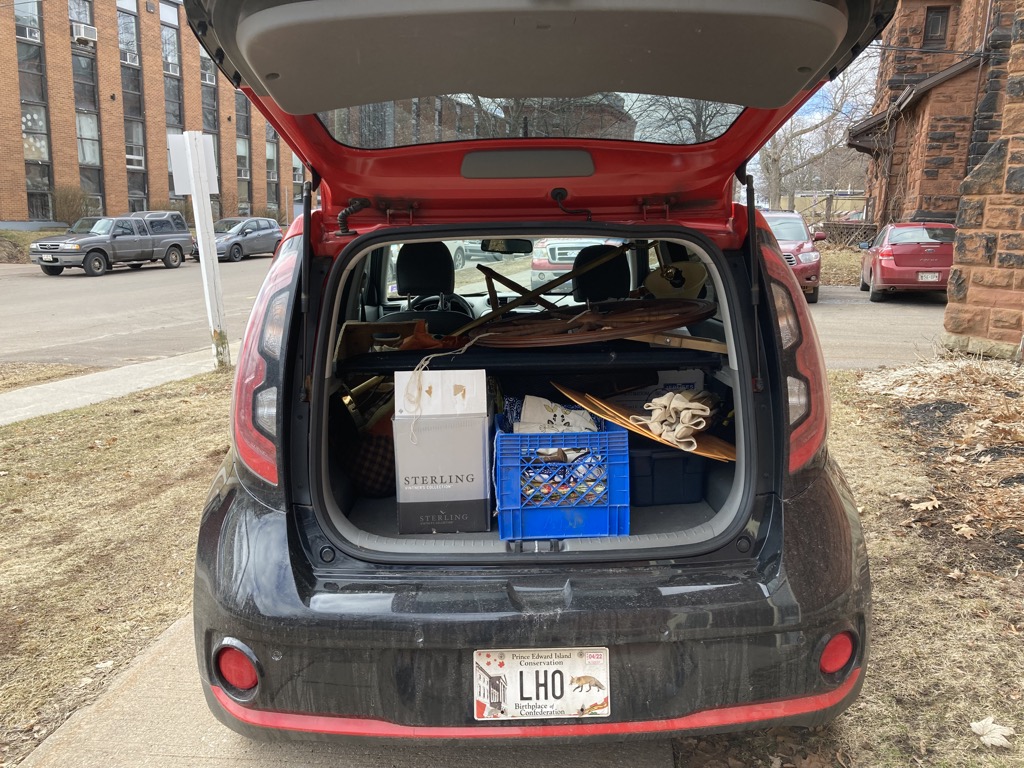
x,y
808,711
890,277
386,652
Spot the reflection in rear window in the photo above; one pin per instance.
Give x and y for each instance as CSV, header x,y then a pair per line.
x,y
463,117
922,235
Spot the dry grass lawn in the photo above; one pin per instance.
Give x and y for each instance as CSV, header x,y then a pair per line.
x,y
17,375
100,508
840,264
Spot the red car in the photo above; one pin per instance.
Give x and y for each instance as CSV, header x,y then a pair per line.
x,y
911,256
797,245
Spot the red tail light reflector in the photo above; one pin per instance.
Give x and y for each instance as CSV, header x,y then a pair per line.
x,y
236,669
837,653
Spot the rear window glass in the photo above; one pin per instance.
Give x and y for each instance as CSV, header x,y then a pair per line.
x,y
788,229
922,235
462,117
157,226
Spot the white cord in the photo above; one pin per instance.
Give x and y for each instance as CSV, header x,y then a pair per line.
x,y
412,398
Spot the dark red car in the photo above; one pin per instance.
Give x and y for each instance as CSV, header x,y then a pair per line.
x,y
364,572
911,256
798,247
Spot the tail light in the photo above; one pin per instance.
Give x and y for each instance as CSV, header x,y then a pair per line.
x,y
886,254
257,394
803,367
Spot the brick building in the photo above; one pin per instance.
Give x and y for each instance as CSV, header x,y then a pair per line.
x,y
938,105
96,86
946,142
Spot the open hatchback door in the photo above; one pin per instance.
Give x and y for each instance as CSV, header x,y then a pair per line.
x,y
650,103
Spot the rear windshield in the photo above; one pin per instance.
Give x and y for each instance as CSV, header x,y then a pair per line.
x,y
922,235
462,117
788,229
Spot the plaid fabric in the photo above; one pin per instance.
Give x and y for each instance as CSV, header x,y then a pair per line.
x,y
373,466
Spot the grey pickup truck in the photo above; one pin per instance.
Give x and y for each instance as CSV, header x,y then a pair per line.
x,y
99,243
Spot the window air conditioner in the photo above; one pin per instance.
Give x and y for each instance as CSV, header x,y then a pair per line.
x,y
23,32
83,33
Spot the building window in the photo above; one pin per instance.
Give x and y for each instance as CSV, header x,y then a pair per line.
x,y
243,130
31,72
211,122
169,14
137,192
128,38
273,186
174,105
131,89
28,23
297,179
80,11
35,119
87,123
936,27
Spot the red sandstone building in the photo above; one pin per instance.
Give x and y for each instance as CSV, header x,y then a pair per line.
x,y
93,89
947,144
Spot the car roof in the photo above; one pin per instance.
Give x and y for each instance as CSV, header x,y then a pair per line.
x,y
943,224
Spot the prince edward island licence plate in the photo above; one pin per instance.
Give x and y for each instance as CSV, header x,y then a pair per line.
x,y
521,683
928,277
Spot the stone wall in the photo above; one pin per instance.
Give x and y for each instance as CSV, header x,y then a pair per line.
x,y
985,313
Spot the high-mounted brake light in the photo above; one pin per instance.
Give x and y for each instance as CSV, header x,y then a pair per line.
x,y
804,368
257,393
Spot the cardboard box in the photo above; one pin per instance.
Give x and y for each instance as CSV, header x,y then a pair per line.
x,y
442,428
668,381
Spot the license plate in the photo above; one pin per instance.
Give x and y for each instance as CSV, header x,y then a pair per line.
x,y
928,277
532,683
48,257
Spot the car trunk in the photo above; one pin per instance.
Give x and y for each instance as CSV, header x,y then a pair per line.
x,y
676,502
924,255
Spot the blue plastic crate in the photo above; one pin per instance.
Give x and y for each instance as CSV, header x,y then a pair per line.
x,y
544,496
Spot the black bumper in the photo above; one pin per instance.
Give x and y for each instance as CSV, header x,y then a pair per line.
x,y
386,651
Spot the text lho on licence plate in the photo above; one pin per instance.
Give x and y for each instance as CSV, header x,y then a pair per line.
x,y
520,683
928,277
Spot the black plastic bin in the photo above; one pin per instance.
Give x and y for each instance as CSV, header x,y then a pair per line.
x,y
659,475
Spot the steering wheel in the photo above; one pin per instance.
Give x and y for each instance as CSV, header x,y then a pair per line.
x,y
429,303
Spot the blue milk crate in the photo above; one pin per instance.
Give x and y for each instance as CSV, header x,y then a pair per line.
x,y
544,496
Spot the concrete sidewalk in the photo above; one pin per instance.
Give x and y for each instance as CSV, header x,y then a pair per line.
x,y
92,388
154,715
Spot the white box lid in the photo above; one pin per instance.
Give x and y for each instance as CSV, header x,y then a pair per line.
x,y
440,393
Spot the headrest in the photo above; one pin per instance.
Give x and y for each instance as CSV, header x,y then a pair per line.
x,y
608,281
424,269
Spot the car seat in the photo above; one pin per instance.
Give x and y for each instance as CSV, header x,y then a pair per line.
x,y
425,274
608,281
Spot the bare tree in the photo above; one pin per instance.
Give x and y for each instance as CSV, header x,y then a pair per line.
x,y
816,131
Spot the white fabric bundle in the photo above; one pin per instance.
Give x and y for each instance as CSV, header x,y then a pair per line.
x,y
675,417
540,415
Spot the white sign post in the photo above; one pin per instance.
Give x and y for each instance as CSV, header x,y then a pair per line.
x,y
192,164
